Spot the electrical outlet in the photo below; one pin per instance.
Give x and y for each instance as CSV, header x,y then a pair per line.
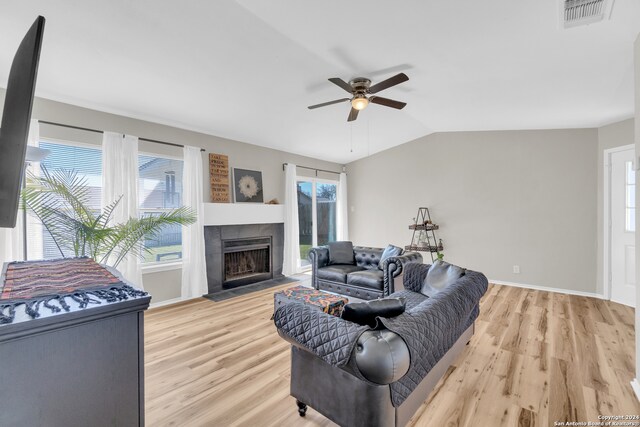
x,y
516,269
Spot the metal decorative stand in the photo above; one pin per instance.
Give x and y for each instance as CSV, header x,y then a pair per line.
x,y
424,235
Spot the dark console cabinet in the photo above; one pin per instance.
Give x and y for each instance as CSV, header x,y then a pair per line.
x,y
75,369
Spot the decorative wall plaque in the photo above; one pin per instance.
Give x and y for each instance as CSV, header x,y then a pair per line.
x,y
219,177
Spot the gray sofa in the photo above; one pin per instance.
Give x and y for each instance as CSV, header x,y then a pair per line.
x,y
360,376
361,279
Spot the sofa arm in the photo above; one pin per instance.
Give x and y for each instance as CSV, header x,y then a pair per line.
x,y
319,257
329,337
382,356
394,266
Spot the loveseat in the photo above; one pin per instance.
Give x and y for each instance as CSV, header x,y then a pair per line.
x,y
357,375
361,276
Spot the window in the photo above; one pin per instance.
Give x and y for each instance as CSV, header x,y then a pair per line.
x,y
159,190
316,215
87,162
630,198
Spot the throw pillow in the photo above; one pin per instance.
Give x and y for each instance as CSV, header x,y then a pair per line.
x,y
440,275
365,313
389,251
341,253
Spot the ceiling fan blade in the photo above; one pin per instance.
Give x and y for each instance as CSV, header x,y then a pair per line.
x,y
391,81
353,114
324,104
339,82
387,102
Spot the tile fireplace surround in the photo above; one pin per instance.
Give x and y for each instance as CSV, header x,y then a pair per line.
x,y
237,225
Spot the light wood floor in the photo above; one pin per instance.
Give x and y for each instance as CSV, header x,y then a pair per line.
x,y
536,357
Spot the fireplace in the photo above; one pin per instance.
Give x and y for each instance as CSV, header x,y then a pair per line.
x,y
241,254
246,261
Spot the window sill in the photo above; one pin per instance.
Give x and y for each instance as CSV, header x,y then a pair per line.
x,y
158,267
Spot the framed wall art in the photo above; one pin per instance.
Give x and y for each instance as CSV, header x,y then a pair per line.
x,y
247,186
219,177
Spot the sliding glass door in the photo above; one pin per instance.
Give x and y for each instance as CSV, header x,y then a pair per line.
x,y
316,214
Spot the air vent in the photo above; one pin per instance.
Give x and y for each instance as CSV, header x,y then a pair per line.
x,y
583,12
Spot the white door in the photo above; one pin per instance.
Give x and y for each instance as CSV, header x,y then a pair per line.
x,y
622,230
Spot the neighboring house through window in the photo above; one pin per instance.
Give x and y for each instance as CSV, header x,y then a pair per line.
x,y
159,190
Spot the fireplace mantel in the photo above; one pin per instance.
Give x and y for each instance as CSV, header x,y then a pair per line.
x,y
242,213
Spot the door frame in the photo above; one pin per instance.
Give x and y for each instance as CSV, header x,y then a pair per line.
x,y
606,219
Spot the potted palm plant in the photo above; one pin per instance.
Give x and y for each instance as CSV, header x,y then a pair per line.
x,y
60,199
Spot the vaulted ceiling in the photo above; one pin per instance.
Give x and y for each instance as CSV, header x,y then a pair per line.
x,y
247,69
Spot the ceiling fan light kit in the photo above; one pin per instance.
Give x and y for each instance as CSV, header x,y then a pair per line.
x,y
361,94
360,102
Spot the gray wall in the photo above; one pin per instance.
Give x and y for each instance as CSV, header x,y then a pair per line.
x,y
610,136
166,285
504,198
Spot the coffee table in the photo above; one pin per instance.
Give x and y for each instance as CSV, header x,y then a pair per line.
x,y
320,300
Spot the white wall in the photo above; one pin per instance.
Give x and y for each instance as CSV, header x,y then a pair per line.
x,y
504,198
166,285
636,54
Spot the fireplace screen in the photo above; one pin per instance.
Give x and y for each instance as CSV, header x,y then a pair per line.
x,y
246,261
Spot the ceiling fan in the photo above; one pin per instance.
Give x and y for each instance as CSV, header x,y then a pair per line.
x,y
359,88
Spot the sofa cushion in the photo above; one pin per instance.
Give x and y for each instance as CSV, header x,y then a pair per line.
x,y
412,299
373,279
341,253
336,273
365,313
440,275
388,252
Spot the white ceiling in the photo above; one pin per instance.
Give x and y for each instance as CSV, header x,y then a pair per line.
x,y
247,69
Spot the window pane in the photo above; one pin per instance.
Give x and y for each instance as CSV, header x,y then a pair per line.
x,y
305,220
160,185
326,212
631,175
159,189
630,219
631,196
166,246
87,162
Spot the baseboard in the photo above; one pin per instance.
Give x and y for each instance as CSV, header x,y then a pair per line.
x,y
548,289
170,302
635,385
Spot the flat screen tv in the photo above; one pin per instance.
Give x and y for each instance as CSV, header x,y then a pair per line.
x,y
16,117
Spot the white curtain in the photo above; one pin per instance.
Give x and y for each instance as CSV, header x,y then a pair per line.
x,y
120,178
342,210
11,239
34,226
11,242
291,232
194,269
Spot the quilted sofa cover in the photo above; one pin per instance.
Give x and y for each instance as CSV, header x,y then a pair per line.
x,y
430,326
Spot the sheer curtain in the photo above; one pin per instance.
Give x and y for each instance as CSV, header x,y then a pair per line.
x,y
291,230
12,239
35,237
120,178
194,269
342,210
